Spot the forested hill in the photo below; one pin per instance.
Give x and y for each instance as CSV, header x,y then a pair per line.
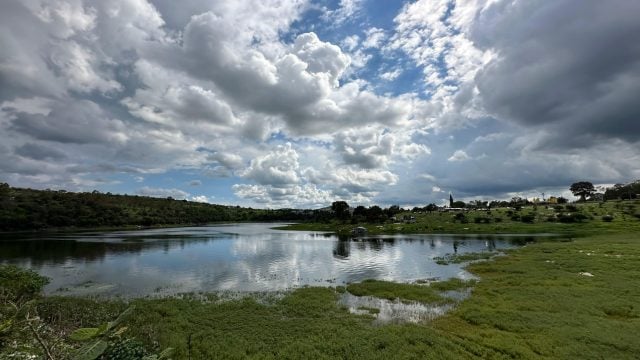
x,y
28,209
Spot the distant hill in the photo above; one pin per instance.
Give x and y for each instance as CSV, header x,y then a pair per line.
x,y
28,209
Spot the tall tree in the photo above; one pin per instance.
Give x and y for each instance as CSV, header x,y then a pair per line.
x,y
582,189
340,209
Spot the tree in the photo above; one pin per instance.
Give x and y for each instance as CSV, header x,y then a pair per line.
x,y
4,190
431,207
582,189
340,209
375,214
393,210
458,204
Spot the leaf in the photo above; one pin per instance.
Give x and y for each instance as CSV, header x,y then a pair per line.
x,y
117,321
91,351
165,353
5,326
103,328
84,334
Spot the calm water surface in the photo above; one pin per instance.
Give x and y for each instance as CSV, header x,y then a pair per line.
x,y
234,257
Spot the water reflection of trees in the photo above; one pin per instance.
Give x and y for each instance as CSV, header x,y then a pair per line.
x,y
58,252
342,247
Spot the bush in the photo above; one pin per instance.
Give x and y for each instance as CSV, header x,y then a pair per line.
x,y
18,285
607,218
528,218
572,218
481,220
572,208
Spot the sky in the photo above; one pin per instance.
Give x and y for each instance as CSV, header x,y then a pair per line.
x,y
299,103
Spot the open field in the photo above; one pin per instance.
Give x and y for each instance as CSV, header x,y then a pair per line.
x,y
549,299
586,218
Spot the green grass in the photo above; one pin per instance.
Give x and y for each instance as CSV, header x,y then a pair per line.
x,y
623,213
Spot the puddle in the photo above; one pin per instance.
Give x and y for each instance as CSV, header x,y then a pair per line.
x,y
392,312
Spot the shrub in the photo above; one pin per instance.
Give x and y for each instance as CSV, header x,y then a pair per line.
x,y
18,285
528,218
607,218
481,220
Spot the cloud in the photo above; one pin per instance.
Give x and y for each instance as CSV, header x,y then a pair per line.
x,y
459,155
279,167
391,75
350,42
346,11
584,88
201,199
73,121
162,193
40,152
195,183
374,38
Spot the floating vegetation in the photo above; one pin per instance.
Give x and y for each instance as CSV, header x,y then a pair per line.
x,y
460,258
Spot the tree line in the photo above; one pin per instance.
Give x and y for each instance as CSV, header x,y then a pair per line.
x,y
28,209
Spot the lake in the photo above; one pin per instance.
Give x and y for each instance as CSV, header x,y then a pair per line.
x,y
233,257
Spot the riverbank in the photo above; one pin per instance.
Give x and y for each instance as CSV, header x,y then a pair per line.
x,y
572,220
549,299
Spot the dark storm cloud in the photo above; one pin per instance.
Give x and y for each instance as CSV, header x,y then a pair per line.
x,y
572,66
40,152
76,121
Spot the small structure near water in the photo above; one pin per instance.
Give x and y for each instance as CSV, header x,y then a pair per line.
x,y
359,231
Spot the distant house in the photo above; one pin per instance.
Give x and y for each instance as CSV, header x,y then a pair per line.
x,y
552,200
409,219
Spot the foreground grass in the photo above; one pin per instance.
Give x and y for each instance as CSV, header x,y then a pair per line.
x,y
533,303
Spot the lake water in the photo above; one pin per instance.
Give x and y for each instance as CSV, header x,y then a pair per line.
x,y
233,257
